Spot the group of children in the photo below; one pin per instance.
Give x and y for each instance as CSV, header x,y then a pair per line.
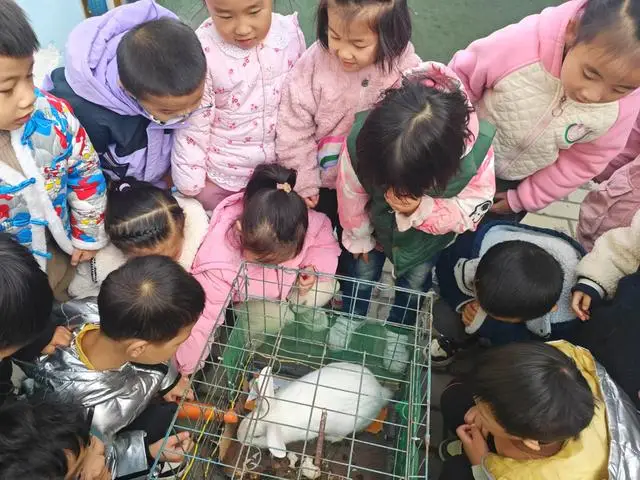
x,y
136,182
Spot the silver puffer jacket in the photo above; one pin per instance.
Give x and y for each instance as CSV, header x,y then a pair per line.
x,y
116,397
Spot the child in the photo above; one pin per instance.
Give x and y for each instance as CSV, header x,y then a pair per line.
x,y
615,255
249,51
536,410
510,282
25,327
52,192
142,220
269,224
560,87
42,440
416,170
116,363
362,49
133,76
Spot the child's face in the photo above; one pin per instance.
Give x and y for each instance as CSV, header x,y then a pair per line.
x,y
593,73
154,353
16,91
351,38
170,110
244,23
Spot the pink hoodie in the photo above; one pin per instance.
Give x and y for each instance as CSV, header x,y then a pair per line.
x,y
548,141
218,262
317,110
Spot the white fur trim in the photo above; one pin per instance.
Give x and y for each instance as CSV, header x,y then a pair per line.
x,y
594,285
465,273
44,205
478,320
196,225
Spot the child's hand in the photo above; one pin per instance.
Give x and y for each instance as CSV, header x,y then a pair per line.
x,y
403,205
501,204
179,392
80,256
312,201
473,417
61,338
174,449
469,312
95,467
306,280
474,444
580,303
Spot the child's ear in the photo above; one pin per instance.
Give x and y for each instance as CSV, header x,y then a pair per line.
x,y
136,348
571,34
532,445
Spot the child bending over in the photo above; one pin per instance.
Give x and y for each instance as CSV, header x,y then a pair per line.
x,y
269,223
536,410
142,219
117,365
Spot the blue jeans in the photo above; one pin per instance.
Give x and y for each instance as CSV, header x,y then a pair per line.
x,y
356,294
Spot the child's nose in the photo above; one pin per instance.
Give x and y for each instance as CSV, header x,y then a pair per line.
x,y
243,29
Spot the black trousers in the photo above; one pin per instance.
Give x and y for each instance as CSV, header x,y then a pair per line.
x,y
155,420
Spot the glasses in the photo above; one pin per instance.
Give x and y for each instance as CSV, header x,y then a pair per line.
x,y
177,120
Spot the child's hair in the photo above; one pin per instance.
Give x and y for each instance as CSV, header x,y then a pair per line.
x,y
36,436
517,279
149,298
140,216
22,318
17,38
274,217
534,390
162,58
414,139
619,18
392,24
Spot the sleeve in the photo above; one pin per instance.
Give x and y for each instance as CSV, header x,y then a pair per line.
x,y
88,191
324,252
197,346
615,255
126,456
458,214
628,154
296,145
190,144
574,166
357,234
479,473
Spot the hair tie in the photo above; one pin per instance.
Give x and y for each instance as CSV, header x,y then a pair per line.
x,y
284,186
123,186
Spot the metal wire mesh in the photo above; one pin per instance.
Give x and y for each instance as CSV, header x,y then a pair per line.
x,y
384,440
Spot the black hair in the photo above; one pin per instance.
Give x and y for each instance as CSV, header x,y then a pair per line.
x,y
273,218
35,436
26,298
619,18
534,391
414,139
17,38
392,24
141,216
149,298
517,279
161,57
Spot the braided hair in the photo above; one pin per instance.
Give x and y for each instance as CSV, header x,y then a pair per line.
x,y
141,217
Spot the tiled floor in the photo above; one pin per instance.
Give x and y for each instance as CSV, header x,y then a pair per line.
x,y
561,215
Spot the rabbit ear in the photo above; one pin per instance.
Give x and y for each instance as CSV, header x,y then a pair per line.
x,y
275,442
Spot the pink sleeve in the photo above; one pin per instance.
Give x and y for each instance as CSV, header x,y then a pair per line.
x,y
296,145
190,352
574,167
357,234
629,153
324,252
458,214
190,145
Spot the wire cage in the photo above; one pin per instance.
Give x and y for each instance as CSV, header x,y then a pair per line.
x,y
279,398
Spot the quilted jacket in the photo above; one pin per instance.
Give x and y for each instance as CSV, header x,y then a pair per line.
x,y
61,187
550,142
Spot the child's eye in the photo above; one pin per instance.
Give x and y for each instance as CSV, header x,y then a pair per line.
x,y
6,92
224,17
621,91
255,12
587,75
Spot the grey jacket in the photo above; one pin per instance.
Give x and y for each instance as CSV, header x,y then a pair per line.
x,y
116,397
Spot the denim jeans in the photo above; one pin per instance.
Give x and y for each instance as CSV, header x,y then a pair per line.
x,y
356,295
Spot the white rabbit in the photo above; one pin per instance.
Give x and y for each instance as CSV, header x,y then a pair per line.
x,y
349,393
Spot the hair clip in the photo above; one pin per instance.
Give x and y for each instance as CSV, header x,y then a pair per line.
x,y
123,186
284,186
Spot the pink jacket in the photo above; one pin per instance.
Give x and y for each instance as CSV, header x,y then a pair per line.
x,y
235,130
319,103
548,141
629,153
436,216
218,262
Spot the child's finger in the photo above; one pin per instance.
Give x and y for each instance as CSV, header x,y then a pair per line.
x,y
463,433
585,304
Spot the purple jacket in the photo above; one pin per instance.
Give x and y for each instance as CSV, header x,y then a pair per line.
x,y
114,121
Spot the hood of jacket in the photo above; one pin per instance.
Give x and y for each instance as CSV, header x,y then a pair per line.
x,y
91,67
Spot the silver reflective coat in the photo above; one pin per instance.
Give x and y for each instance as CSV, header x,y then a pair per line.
x,y
116,397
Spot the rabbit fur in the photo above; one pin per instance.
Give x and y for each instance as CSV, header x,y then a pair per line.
x,y
293,413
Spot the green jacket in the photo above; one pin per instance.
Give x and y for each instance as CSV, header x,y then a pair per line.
x,y
413,247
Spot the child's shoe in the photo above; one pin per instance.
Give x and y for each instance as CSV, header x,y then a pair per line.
x,y
442,351
449,448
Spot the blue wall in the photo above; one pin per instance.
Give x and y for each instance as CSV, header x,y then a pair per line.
x,y
53,19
